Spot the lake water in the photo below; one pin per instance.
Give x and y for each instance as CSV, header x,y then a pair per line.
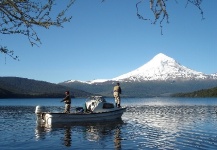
x,y
148,123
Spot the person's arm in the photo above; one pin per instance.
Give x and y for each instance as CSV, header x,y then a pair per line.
x,y
64,99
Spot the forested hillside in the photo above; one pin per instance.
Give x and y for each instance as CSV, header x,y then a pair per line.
x,y
145,88
200,93
15,87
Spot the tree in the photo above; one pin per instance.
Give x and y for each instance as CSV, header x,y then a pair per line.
x,y
22,16
159,10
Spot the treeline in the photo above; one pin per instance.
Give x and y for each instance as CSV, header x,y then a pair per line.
x,y
144,88
200,93
15,87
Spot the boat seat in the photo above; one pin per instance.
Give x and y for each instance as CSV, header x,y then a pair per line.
x,y
108,105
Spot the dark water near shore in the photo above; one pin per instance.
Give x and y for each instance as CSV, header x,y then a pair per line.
x,y
149,123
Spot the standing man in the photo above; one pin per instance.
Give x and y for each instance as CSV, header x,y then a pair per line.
x,y
67,101
117,92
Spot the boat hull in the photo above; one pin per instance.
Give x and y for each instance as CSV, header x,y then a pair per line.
x,y
51,118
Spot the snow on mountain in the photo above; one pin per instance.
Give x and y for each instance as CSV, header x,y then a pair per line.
x,y
88,82
214,76
161,67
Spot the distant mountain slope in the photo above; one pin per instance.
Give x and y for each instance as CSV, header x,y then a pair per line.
x,y
212,92
145,88
161,67
162,75
22,87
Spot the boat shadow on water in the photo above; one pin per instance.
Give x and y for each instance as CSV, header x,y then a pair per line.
x,y
91,132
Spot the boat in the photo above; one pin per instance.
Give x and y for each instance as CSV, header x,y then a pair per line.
x,y
96,109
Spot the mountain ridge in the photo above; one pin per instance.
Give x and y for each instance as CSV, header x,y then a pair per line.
x,y
160,68
166,77
17,87
161,76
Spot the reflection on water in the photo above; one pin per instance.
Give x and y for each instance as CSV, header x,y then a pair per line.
x,y
92,132
173,127
149,127
142,127
41,132
67,137
117,138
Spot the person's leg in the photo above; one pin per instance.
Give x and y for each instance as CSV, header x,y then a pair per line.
x,y
119,101
68,108
116,100
65,108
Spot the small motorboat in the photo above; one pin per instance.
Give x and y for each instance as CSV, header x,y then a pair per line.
x,y
96,109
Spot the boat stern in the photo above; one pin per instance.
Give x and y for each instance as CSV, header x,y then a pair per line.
x,y
40,111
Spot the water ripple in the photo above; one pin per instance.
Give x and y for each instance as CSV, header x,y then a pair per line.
x,y
142,127
173,127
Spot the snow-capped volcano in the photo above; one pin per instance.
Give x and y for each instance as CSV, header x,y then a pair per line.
x,y
161,67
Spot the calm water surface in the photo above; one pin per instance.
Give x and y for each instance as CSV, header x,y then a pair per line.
x,y
149,123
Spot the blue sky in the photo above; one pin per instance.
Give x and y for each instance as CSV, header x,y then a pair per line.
x,y
105,40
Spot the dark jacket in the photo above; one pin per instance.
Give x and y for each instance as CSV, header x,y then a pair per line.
x,y
67,99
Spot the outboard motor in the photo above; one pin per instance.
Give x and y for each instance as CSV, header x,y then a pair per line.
x,y
39,109
39,113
